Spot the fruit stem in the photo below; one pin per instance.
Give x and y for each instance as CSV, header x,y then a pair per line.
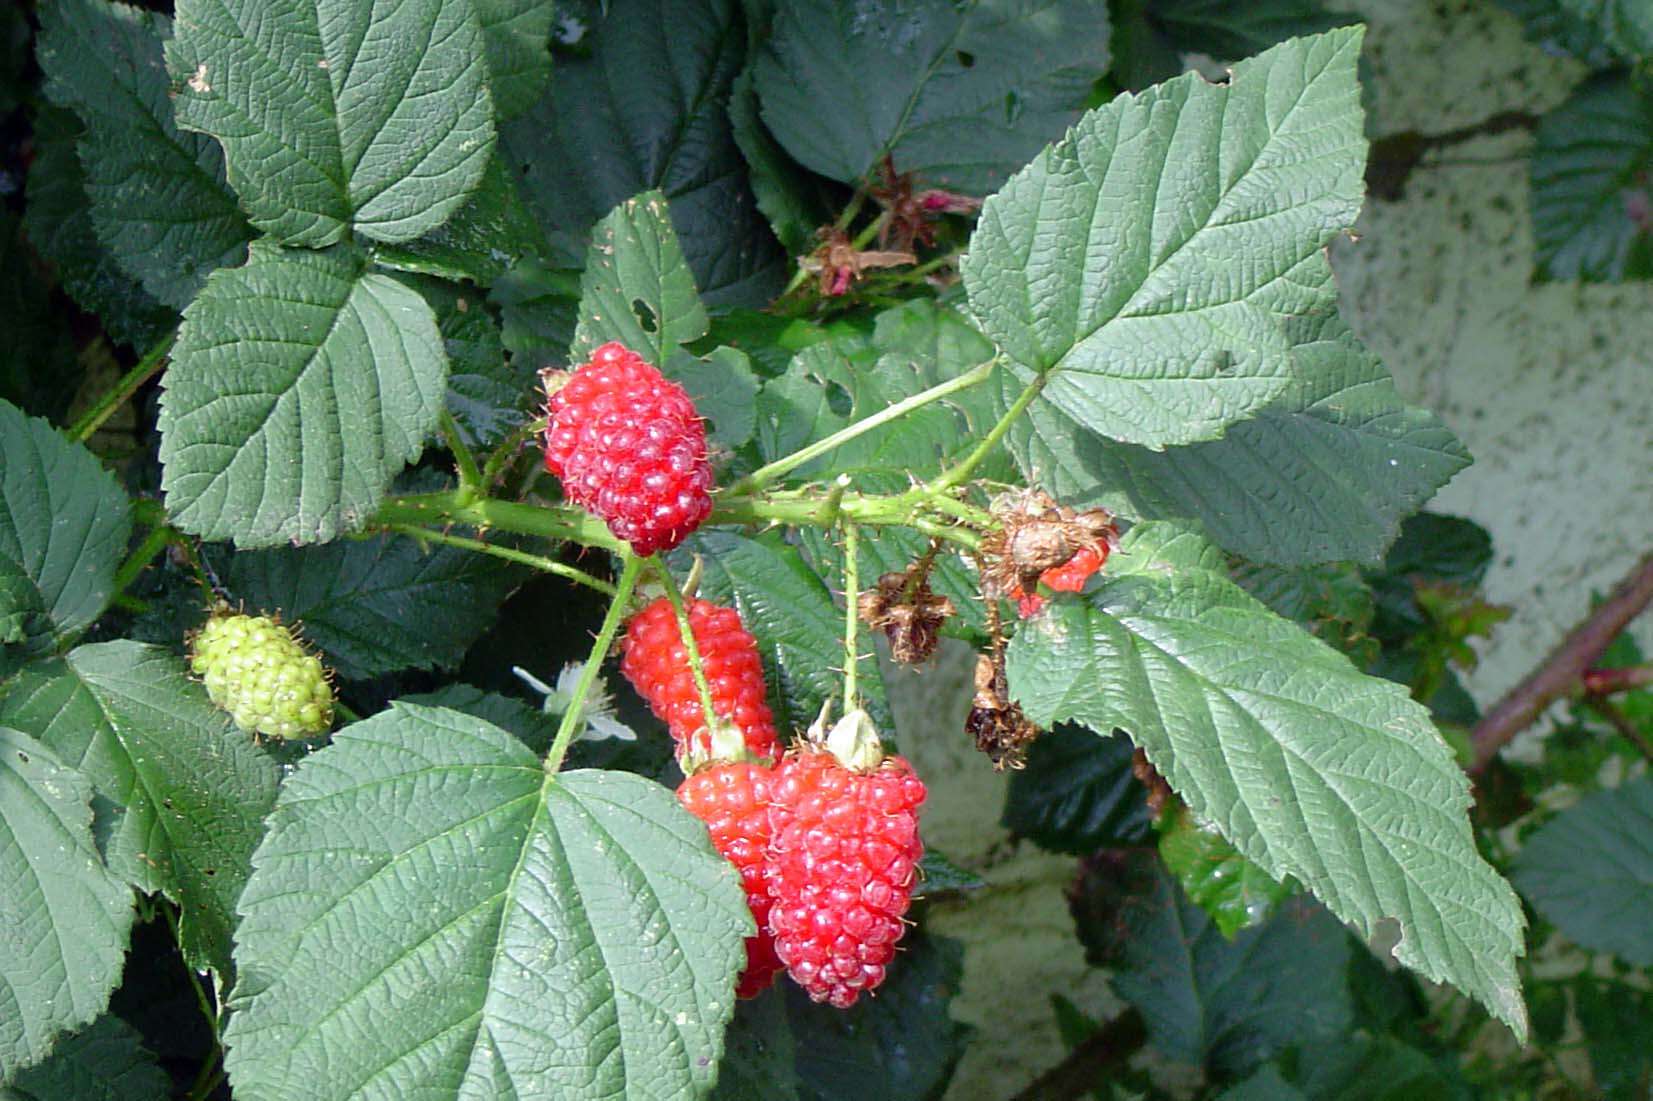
x,y
147,368
501,456
685,630
852,612
549,521
782,466
509,554
617,609
470,478
961,471
156,541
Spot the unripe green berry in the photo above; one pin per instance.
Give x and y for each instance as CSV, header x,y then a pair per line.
x,y
256,670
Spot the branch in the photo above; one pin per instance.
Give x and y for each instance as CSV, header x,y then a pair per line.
x,y
1087,1065
1607,682
1562,672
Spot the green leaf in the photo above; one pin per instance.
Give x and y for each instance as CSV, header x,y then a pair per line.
x,y
962,95
1077,794
1308,767
1266,1085
1331,601
790,611
1616,1024
338,117
1325,473
38,362
493,231
538,309
299,386
1227,31
190,791
1592,202
1553,26
1233,892
57,215
641,105
1148,262
488,394
781,188
106,1062
159,200
1590,871
517,35
937,875
66,918
1380,1068
758,1063
1224,1004
64,523
378,605
1432,548
637,288
724,390
1626,26
499,932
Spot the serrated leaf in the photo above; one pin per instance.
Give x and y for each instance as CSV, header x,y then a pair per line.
x,y
190,791
299,386
637,287
1109,263
790,611
64,523
1325,473
1592,200
159,199
641,103
493,231
1308,767
338,117
531,726
1077,794
1224,1004
723,389
517,35
1233,892
502,933
1590,871
962,95
66,918
377,605
106,1062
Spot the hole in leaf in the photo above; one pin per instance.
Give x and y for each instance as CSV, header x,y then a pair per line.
x,y
645,315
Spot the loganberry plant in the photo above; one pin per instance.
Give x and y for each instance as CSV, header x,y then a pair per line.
x,y
478,333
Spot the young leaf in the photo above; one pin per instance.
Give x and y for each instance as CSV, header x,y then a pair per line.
x,y
1109,263
1590,870
1077,794
338,117
106,1062
1325,473
66,918
642,101
517,35
431,911
159,200
299,386
637,288
1592,196
375,606
962,95
64,523
1308,767
190,791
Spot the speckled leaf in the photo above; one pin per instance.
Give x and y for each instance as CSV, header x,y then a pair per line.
x,y
66,918
299,386
106,1062
637,288
432,914
1310,768
189,791
1148,262
338,117
961,94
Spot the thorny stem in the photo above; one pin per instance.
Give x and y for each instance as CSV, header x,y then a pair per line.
x,y
502,456
919,572
548,521
159,537
852,612
617,608
961,471
470,478
508,554
691,648
147,368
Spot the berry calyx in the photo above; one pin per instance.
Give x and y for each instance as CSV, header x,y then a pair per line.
x,y
255,669
629,447
655,661
843,860
732,798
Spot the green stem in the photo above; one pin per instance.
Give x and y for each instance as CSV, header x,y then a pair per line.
x,y
508,554
470,478
780,467
147,368
547,521
501,456
691,647
201,999
212,1073
153,544
852,612
617,609
957,475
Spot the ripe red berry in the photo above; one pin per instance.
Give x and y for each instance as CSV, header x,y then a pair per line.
x,y
630,448
656,663
1069,577
843,859
732,798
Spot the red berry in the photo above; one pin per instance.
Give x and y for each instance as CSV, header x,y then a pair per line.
x,y
843,859
656,663
629,447
732,798
1069,577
